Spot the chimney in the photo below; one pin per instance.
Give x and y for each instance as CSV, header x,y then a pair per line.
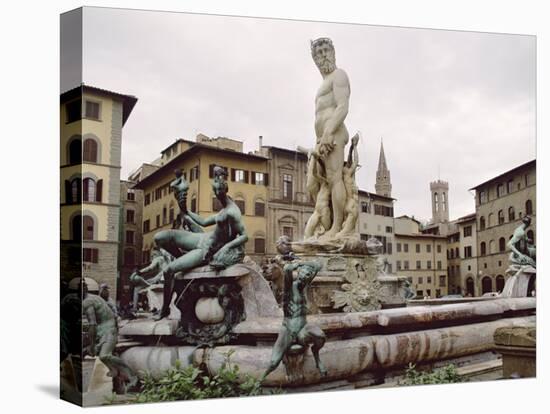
x,y
260,142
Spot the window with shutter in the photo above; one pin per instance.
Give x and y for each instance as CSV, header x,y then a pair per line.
x,y
90,150
88,228
99,191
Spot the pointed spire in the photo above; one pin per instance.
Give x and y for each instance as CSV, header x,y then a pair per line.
x,y
382,166
383,180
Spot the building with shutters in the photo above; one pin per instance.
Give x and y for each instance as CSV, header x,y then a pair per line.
x,y
91,136
248,182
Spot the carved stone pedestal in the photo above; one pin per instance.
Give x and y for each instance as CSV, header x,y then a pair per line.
x,y
352,282
518,346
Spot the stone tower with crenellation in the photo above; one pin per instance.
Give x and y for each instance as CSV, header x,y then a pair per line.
x,y
440,201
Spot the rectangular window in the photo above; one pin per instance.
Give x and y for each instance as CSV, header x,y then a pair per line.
x,y
92,110
418,266
147,199
429,264
429,280
364,237
287,186
259,245
439,265
194,204
90,255
73,111
129,237
259,209
259,178
146,226
420,293
398,264
510,186
389,229
420,280
130,195
467,251
365,207
389,248
171,215
482,195
438,248
417,248
467,231
130,216
239,176
158,193
406,264
289,232
398,247
500,190
158,221
406,247
194,173
429,248
442,281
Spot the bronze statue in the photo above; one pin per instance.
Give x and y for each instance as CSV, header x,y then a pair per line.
x,y
180,187
523,249
221,248
295,330
159,259
103,334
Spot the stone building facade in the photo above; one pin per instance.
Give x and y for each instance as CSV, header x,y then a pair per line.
x,y
131,237
421,257
501,202
376,220
289,205
467,270
91,138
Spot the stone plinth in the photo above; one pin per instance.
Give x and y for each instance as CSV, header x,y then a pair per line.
x,y
518,346
360,272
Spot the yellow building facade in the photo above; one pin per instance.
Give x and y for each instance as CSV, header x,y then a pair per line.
x,y
91,121
248,179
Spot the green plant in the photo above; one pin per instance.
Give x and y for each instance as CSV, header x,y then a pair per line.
x,y
445,375
192,383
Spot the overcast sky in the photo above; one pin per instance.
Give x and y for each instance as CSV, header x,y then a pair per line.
x,y
454,105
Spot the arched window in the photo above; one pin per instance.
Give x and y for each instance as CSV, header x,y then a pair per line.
x,y
502,244
482,223
88,228
90,150
72,191
483,249
164,215
486,285
89,189
436,199
241,204
75,151
490,221
194,204
443,201
76,228
528,207
500,217
491,247
259,208
500,283
92,190
511,214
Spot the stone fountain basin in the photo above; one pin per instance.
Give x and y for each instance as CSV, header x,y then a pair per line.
x,y
357,342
